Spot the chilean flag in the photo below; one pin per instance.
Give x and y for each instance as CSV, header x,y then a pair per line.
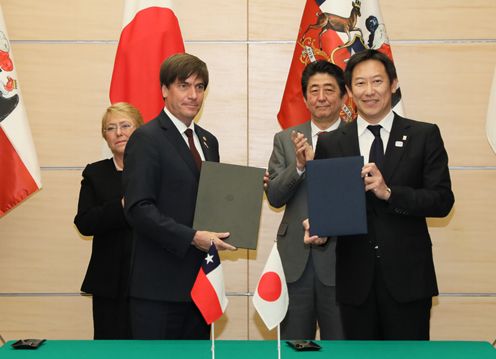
x,y
208,292
271,296
19,169
322,36
150,34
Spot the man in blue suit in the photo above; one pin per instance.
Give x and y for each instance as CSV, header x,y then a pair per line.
x,y
161,174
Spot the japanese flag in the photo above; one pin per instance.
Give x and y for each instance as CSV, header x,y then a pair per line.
x,y
271,296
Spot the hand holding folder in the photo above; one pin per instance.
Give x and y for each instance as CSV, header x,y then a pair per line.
x,y
230,200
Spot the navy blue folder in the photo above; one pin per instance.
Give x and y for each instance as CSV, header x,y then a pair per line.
x,y
336,197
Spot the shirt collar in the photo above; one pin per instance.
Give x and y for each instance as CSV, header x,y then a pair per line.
x,y
315,130
181,127
386,123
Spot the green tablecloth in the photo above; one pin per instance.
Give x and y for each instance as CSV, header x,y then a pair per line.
x,y
79,349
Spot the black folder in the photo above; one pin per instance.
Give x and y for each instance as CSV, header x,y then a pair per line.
x,y
336,197
230,200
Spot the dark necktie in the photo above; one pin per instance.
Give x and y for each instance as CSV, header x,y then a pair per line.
x,y
319,134
376,154
192,147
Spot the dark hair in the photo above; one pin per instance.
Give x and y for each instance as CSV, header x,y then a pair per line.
x,y
366,55
322,67
180,67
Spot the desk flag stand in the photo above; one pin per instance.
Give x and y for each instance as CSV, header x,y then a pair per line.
x,y
213,340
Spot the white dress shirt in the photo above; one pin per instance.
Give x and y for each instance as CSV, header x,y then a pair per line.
x,y
365,137
181,127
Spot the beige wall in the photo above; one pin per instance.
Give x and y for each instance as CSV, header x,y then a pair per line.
x,y
445,52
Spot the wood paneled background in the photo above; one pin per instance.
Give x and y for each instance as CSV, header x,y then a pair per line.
x,y
445,52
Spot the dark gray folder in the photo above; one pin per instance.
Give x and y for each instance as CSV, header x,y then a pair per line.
x,y
336,197
230,200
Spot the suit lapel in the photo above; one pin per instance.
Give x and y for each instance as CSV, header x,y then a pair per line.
x,y
306,129
349,139
177,141
398,141
205,145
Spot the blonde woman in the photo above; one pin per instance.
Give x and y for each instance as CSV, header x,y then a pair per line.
x,y
100,214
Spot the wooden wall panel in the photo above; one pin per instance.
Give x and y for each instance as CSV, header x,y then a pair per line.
x,y
81,23
268,70
233,325
439,19
212,20
65,90
405,20
449,84
41,250
468,318
50,317
63,20
463,243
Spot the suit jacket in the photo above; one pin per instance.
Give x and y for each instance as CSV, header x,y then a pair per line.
x,y
160,186
287,188
416,170
100,214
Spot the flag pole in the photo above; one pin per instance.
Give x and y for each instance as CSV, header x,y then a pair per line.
x,y
278,341
213,340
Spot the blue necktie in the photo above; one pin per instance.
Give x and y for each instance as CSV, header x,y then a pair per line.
x,y
376,154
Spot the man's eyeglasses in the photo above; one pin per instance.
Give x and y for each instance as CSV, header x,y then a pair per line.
x,y
125,126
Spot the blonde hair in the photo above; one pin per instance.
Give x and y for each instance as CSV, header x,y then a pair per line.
x,y
123,109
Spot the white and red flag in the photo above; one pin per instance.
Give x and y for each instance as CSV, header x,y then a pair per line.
x,y
271,296
332,30
150,34
209,292
19,169
491,115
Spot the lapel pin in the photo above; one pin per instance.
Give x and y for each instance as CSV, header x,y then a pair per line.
x,y
205,141
398,143
404,138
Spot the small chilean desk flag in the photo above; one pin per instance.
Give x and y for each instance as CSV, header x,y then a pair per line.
x,y
208,292
150,34
271,296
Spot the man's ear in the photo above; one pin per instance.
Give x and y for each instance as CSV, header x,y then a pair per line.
x,y
394,86
165,91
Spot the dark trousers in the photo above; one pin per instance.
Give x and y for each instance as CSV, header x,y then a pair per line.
x,y
311,303
152,319
111,318
381,317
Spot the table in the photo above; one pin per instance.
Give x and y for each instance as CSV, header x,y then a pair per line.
x,y
236,349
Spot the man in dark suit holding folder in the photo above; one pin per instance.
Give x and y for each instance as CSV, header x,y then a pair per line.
x,y
386,279
162,170
308,267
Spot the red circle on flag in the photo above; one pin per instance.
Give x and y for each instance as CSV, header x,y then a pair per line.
x,y
270,287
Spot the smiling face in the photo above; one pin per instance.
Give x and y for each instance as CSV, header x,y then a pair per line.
x,y
184,98
323,98
117,131
371,90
